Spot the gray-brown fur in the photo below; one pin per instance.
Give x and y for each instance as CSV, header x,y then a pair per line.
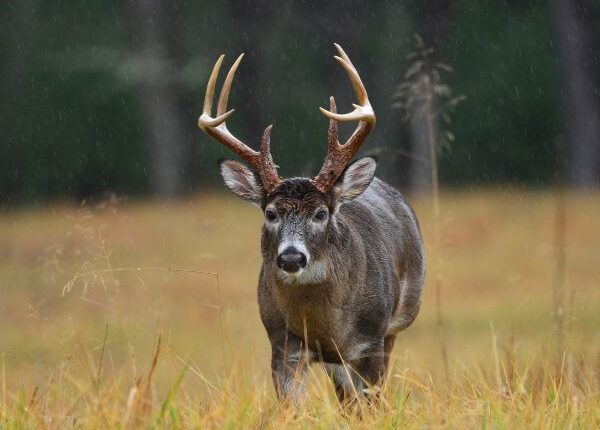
x,y
361,285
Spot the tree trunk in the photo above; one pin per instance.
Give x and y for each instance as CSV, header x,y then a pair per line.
x,y
433,20
581,105
420,167
154,27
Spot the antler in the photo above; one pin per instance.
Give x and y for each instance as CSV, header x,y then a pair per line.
x,y
262,161
338,156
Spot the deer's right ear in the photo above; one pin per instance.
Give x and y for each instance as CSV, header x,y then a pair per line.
x,y
242,181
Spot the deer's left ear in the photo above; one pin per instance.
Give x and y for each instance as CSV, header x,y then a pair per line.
x,y
355,179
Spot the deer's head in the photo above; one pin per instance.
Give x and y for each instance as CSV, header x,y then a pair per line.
x,y
299,213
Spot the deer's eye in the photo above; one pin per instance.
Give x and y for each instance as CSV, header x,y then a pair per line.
x,y
270,215
321,215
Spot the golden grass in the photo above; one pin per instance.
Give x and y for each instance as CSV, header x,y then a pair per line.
x,y
79,334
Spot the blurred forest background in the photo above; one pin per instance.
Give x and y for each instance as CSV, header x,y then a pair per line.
x,y
103,96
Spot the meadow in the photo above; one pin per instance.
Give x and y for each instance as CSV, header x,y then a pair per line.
x,y
142,314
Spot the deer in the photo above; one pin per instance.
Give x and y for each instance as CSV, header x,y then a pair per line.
x,y
343,261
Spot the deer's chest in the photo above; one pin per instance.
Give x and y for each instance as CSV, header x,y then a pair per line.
x,y
315,314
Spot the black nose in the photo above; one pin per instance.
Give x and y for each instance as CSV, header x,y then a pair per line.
x,y
291,260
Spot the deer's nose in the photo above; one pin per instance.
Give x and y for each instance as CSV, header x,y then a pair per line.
x,y
291,260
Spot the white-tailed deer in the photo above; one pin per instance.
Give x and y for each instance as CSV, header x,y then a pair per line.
x,y
343,261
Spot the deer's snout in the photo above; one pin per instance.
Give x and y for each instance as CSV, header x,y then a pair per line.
x,y
291,260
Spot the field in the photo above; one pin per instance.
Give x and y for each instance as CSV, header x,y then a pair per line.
x,y
140,314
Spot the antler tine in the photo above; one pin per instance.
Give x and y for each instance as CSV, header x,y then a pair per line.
x,y
210,87
338,156
270,177
343,54
261,162
362,111
205,119
265,149
224,97
332,135
359,88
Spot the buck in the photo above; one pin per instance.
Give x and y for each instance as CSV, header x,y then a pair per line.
x,y
343,261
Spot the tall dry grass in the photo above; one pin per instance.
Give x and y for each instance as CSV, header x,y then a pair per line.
x,y
145,335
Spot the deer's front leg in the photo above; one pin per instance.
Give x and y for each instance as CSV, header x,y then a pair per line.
x,y
355,376
371,369
288,366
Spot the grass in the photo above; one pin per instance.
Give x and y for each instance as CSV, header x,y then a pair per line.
x,y
85,343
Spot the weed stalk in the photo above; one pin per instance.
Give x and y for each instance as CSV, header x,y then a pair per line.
x,y
424,95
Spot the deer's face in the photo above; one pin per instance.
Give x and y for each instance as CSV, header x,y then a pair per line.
x,y
298,218
296,221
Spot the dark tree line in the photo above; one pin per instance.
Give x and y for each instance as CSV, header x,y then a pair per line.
x,y
103,96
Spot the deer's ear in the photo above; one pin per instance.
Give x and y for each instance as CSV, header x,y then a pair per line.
x,y
355,179
242,181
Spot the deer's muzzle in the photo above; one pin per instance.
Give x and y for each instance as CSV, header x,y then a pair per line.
x,y
291,260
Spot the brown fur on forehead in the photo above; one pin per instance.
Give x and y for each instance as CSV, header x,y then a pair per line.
x,y
298,195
